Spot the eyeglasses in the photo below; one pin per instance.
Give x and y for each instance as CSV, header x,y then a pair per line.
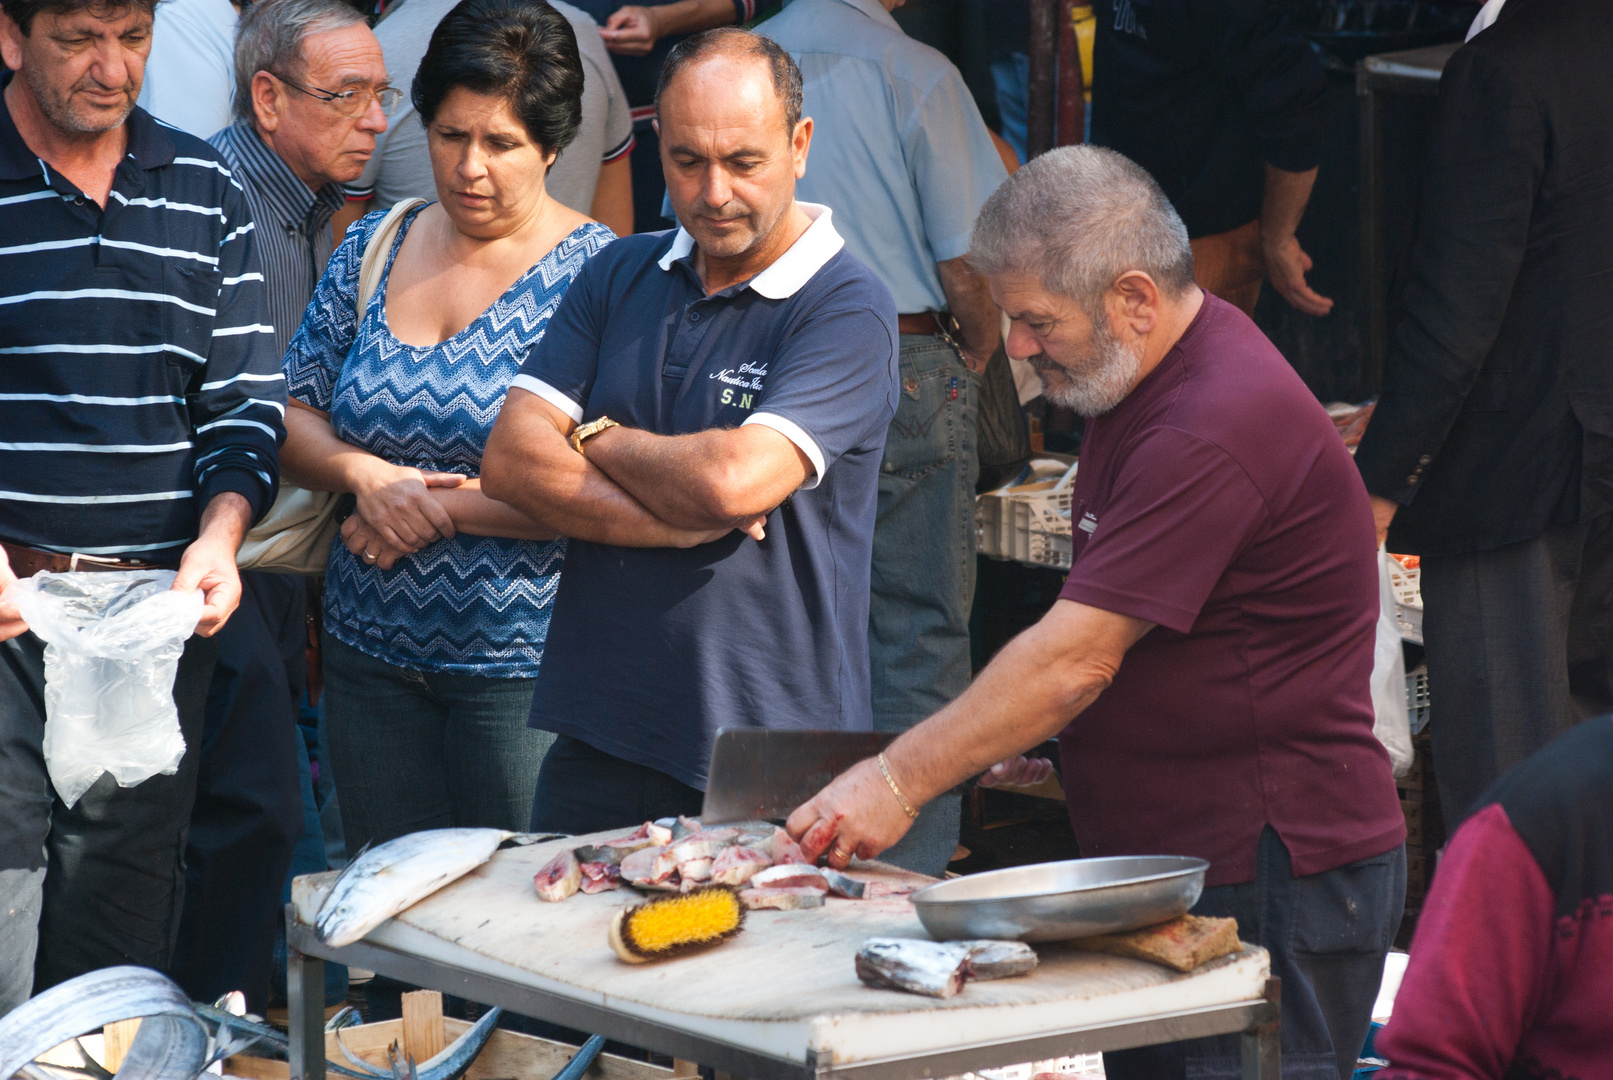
x,y
354,102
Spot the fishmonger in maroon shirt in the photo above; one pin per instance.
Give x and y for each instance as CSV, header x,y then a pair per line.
x,y
1214,641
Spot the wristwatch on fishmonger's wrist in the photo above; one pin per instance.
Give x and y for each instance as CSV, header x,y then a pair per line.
x,y
587,431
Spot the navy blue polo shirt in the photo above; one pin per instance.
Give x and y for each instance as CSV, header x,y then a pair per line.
x,y
652,650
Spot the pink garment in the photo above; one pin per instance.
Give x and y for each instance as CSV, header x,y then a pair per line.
x,y
1500,984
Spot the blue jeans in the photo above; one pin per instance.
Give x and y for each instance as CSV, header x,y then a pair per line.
x,y
1328,934
924,566
419,750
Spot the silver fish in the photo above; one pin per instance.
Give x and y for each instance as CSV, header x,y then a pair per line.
x,y
451,1062
172,1044
394,876
999,959
919,967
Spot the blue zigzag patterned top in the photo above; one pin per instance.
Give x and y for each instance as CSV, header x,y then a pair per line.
x,y
474,605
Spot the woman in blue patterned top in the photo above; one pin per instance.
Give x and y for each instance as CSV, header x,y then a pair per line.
x,y
437,598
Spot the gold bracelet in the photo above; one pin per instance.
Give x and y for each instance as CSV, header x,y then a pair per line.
x,y
896,791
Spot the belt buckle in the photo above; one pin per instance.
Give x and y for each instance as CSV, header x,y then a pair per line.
x,y
99,562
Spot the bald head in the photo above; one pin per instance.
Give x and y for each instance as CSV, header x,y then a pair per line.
x,y
738,49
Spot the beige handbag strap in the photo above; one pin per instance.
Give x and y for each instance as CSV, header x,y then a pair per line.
x,y
373,265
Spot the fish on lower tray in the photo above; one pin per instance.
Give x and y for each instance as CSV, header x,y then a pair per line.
x,y
999,959
600,877
775,899
791,876
560,877
935,968
393,876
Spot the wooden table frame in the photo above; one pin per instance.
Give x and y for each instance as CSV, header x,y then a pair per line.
x,y
1256,1020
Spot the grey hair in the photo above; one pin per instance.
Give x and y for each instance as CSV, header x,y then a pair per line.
x,y
1078,218
270,35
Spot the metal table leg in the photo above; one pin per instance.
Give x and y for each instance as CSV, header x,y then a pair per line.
x,y
305,1001
1262,1044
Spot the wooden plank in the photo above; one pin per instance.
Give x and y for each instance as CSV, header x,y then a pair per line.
x,y
422,1024
508,1055
118,1036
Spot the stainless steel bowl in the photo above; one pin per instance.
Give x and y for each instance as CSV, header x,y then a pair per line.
x,y
1061,900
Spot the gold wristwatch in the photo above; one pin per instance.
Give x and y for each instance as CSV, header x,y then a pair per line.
x,y
583,432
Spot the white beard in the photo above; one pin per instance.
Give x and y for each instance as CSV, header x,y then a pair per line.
x,y
1101,383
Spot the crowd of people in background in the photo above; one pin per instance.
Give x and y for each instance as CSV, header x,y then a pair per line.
x,y
649,357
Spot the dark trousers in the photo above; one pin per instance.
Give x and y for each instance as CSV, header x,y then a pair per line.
x,y
1327,934
102,881
1520,649
248,813
584,790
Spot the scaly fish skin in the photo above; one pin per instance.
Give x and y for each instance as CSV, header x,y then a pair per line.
x,y
919,967
394,876
791,876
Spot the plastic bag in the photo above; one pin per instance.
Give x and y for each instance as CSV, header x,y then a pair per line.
x,y
1391,716
112,645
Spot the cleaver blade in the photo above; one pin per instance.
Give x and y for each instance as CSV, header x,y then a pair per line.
x,y
759,774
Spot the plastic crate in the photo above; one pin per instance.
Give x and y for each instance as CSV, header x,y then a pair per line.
x,y
1417,698
1029,520
1407,587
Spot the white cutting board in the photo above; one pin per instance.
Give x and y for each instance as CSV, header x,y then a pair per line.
x,y
786,984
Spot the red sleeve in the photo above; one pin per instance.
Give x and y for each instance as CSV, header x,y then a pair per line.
x,y
1180,511
1478,961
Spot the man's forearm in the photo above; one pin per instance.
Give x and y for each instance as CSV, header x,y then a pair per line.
x,y
529,465
969,298
1029,692
1283,206
225,521
704,480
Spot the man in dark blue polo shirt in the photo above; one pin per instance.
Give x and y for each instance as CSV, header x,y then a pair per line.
x,y
726,390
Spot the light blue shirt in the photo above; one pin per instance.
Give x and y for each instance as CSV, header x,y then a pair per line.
x,y
899,150
190,74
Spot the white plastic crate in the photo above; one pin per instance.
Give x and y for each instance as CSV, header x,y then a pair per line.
x,y
1417,698
1407,586
1029,520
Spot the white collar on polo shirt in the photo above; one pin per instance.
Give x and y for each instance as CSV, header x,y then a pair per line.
x,y
790,270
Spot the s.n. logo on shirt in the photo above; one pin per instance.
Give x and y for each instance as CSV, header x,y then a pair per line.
x,y
740,387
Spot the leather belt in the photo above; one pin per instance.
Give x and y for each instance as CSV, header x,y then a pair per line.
x,y
27,561
925,322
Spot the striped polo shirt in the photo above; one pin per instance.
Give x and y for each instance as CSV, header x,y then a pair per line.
x,y
138,377
293,234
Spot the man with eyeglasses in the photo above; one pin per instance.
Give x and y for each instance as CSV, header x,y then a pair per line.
x,y
311,95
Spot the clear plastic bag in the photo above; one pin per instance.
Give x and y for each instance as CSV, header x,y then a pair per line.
x,y
112,646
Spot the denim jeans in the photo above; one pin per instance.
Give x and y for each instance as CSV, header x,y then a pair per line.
x,y
1328,934
419,750
99,883
924,566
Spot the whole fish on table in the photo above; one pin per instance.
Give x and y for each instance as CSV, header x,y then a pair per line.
x,y
394,876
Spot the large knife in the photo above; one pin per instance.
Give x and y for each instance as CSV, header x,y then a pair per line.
x,y
758,774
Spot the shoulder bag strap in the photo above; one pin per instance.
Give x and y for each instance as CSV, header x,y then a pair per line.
x,y
371,267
